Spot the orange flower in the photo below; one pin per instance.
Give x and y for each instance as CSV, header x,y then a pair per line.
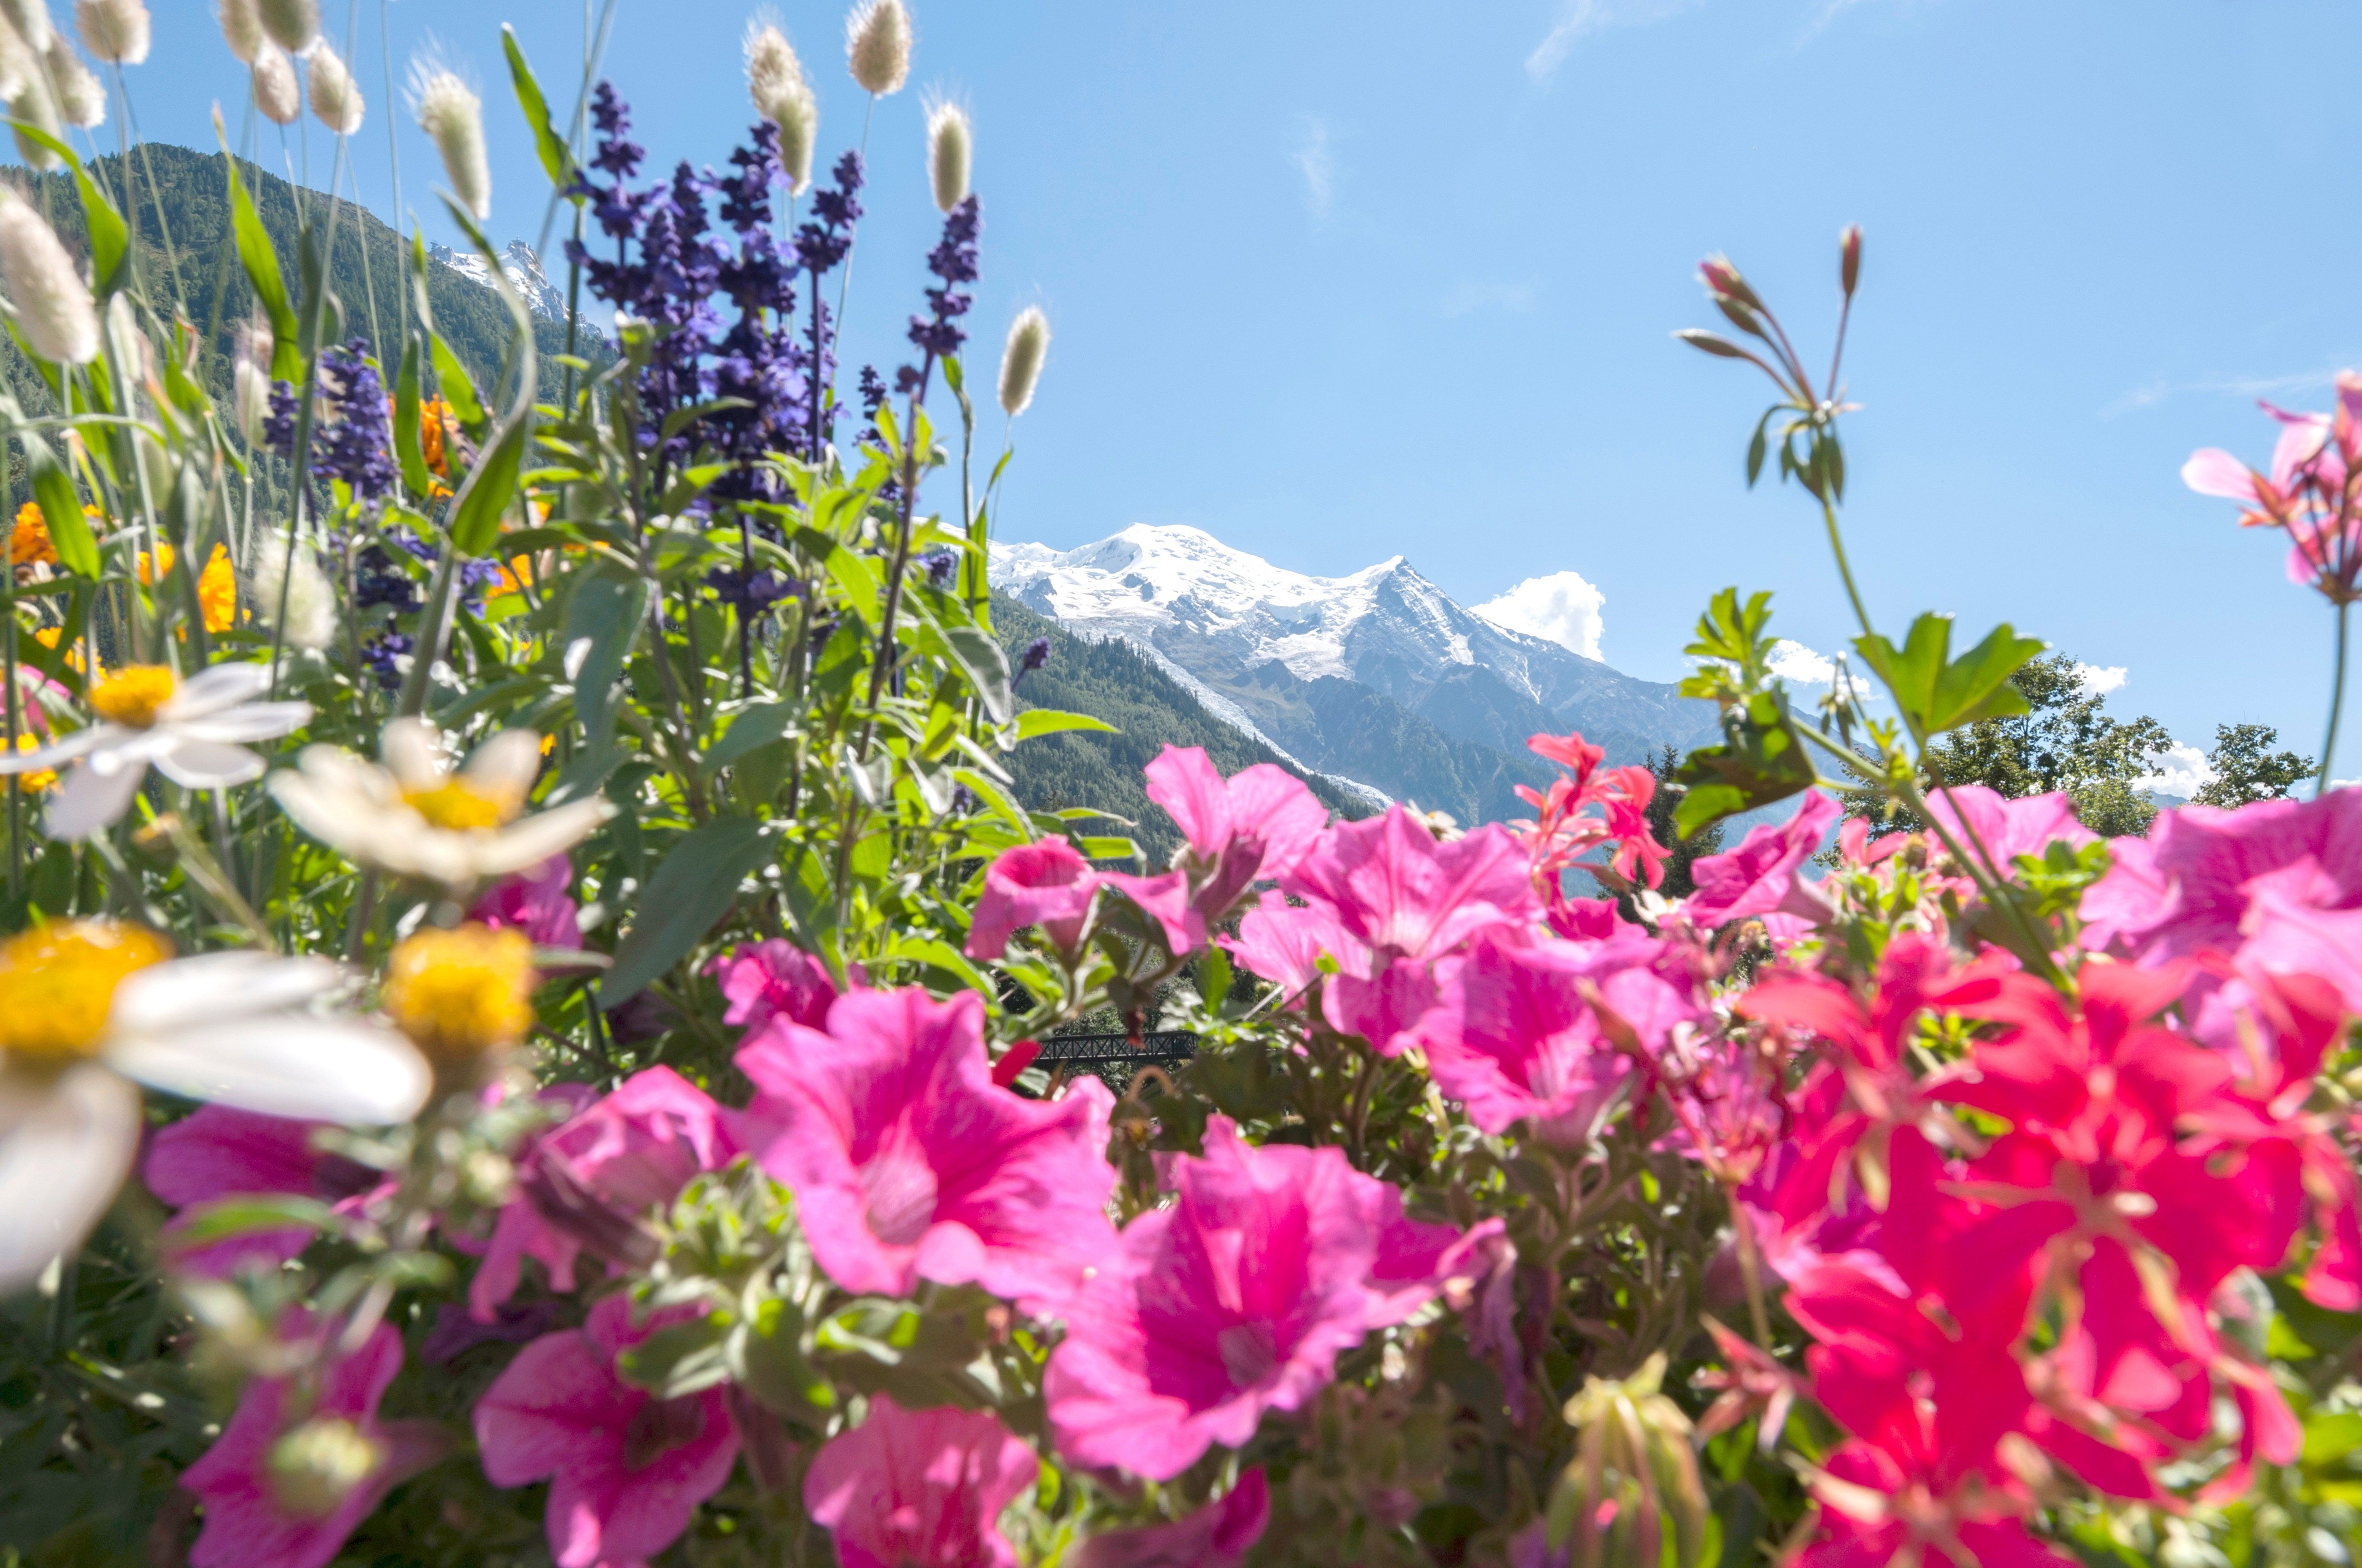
x,y
29,542
48,637
217,592
41,779
164,552
434,416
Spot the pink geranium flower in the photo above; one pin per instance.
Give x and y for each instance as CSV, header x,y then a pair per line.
x,y
1513,1040
219,1152
1237,1299
775,978
589,1182
1219,1535
907,1162
2307,494
1257,823
1760,876
259,1515
920,1488
535,902
626,1471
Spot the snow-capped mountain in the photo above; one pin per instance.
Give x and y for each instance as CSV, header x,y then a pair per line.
x,y
541,297
1375,675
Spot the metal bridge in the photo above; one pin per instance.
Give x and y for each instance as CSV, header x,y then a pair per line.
x,y
1098,1050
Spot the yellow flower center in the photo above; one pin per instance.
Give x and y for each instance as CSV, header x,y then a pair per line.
x,y
58,981
39,779
458,805
463,992
132,694
314,1469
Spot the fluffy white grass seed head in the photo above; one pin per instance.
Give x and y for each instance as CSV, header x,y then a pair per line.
x,y
54,310
878,45
250,379
242,28
117,31
453,118
276,92
17,65
772,68
81,97
31,102
1020,360
798,123
311,619
951,147
293,24
32,20
335,98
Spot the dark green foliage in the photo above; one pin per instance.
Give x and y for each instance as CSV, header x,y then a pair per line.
x,y
2246,768
1112,681
1706,840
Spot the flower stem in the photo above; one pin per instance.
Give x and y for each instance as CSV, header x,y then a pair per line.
x,y
1751,1267
2336,704
1845,569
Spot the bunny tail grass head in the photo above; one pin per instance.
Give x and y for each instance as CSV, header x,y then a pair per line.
x,y
798,123
81,97
117,31
54,310
773,71
276,92
293,24
242,28
453,118
951,147
1020,360
30,18
878,45
335,98
31,102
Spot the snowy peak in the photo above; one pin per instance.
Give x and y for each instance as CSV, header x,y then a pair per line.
x,y
523,268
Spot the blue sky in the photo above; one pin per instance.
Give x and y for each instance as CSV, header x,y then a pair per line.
x,y
1338,282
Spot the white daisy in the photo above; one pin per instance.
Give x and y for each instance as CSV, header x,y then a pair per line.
x,y
87,1006
147,714
416,818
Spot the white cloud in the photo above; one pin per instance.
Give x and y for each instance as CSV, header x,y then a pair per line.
x,y
2101,679
1579,18
1795,661
1561,608
1317,165
2184,771
1470,298
2157,392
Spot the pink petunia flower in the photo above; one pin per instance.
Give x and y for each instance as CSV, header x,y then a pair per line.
x,y
1045,884
1219,1535
1760,876
626,1471
1513,1040
290,1477
589,1182
1237,1299
219,1152
1285,942
2007,829
535,902
775,978
1256,824
920,1488
909,1163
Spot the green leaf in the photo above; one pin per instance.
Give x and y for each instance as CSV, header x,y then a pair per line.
x,y
1214,977
110,238
767,1359
459,389
1762,760
416,478
60,508
246,1216
1936,692
693,889
557,161
986,665
753,729
857,579
1036,721
603,614
686,1358
261,264
489,488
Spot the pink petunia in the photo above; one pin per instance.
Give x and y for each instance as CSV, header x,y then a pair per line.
x,y
920,1488
1256,824
1513,1040
626,1471
1046,883
256,1518
909,1163
535,902
1285,943
1219,1535
2006,828
1760,876
1238,1300
591,1181
776,979
219,1152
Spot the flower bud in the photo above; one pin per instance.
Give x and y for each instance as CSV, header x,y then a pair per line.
x,y
310,621
1020,360
275,90
30,18
242,28
798,123
773,73
32,104
315,1467
1634,1475
54,310
877,46
117,31
1723,280
81,97
335,98
453,118
1850,258
949,143
293,24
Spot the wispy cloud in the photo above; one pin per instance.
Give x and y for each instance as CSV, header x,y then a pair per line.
x,y
1577,19
2159,390
1317,165
2101,679
1470,298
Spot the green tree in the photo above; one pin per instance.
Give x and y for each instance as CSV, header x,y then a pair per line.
x,y
1706,840
2246,768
